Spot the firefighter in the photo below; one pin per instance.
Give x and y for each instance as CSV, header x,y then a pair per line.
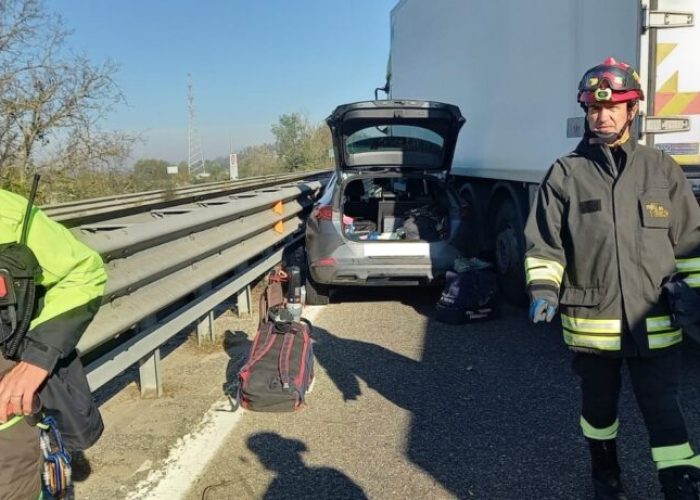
x,y
611,221
71,283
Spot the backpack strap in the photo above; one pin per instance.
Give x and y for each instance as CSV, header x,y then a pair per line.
x,y
271,297
262,309
268,342
285,352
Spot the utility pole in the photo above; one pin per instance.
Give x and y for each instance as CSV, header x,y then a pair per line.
x,y
195,162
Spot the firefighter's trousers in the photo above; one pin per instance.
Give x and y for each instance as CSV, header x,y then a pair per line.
x,y
655,381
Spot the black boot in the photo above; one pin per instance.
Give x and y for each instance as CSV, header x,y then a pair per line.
x,y
680,483
606,470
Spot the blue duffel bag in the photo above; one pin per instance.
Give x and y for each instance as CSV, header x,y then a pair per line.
x,y
468,296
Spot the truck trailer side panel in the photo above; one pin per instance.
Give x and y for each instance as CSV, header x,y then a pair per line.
x,y
512,66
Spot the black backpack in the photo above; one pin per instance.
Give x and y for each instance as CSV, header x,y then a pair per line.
x,y
19,270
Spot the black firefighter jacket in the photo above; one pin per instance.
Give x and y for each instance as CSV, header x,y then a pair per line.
x,y
607,227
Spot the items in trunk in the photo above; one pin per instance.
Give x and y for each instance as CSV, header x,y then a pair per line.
x,y
394,208
423,223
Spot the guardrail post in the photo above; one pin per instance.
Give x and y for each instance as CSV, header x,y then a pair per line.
x,y
205,329
243,302
150,381
205,325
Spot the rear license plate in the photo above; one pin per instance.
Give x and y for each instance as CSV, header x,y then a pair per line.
x,y
397,249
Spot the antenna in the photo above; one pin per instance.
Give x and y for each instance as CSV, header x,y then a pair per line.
x,y
195,162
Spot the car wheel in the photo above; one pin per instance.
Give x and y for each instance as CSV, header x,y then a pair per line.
x,y
510,249
316,293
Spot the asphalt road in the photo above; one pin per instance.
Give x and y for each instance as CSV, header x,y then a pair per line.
x,y
407,407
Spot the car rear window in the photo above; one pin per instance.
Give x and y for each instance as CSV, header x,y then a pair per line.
x,y
395,138
407,140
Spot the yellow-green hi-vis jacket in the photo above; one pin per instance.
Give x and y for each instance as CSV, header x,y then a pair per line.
x,y
605,239
72,281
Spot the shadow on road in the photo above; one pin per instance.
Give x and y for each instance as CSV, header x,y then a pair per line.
x,y
294,479
495,405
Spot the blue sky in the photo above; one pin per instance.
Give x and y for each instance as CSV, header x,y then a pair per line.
x,y
250,61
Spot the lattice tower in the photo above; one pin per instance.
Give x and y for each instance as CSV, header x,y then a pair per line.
x,y
195,162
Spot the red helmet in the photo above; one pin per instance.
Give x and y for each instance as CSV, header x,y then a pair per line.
x,y
611,81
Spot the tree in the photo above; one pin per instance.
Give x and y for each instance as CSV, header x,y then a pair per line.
x,y
258,160
217,169
292,135
151,170
51,101
88,169
318,147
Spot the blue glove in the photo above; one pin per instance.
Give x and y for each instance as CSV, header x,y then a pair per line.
x,y
542,310
543,304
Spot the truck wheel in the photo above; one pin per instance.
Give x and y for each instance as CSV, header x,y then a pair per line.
x,y
316,293
510,250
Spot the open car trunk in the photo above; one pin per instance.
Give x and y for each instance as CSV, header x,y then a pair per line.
x,y
408,208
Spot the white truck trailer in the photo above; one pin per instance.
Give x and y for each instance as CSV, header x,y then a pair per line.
x,y
513,67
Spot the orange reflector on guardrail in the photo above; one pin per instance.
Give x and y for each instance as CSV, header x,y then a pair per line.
x,y
278,208
279,227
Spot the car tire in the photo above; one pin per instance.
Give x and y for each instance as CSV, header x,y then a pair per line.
x,y
509,246
316,293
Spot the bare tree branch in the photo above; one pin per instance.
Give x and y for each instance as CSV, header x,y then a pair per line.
x,y
50,99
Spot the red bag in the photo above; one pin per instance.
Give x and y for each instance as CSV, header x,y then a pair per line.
x,y
279,369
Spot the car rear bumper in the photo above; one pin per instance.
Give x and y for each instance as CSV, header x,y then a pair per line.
x,y
379,272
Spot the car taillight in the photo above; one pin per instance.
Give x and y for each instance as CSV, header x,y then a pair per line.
x,y
324,212
324,261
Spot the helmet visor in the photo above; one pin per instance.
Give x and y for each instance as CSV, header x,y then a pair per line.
x,y
609,77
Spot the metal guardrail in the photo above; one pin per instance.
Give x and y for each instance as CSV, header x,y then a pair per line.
x,y
109,207
170,267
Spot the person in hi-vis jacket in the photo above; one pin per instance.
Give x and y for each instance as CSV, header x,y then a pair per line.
x,y
611,221
71,284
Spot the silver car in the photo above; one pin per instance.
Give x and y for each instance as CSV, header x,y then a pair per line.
x,y
387,215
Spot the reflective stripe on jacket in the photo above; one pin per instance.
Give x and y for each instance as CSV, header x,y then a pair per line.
x,y
73,278
605,242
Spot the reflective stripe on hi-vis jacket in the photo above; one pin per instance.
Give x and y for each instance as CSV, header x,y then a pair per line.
x,y
693,280
662,333
606,334
688,265
602,334
692,267
539,269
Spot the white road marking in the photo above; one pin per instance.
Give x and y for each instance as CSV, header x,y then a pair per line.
x,y
191,454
